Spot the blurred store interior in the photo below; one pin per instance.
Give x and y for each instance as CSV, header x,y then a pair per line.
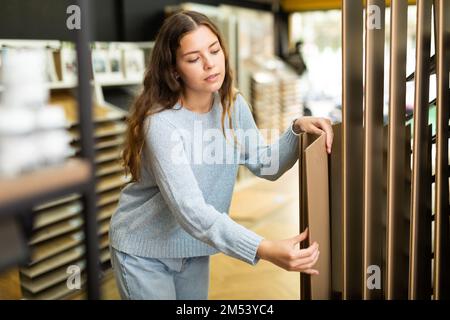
x,y
287,61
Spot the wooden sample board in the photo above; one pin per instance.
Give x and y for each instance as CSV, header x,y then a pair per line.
x,y
318,213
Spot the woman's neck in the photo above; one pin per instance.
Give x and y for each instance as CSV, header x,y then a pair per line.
x,y
197,102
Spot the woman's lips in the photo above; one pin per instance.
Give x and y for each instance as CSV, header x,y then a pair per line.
x,y
213,77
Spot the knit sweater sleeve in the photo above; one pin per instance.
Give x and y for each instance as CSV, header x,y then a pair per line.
x,y
180,190
266,161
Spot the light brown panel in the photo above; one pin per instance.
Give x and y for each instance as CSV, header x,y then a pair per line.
x,y
316,159
10,285
396,283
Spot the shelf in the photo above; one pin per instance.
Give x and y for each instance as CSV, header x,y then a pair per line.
x,y
55,85
56,292
54,262
56,230
48,280
48,249
57,202
74,84
28,190
50,216
62,85
119,83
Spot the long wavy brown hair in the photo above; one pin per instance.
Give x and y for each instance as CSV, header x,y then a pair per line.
x,y
162,90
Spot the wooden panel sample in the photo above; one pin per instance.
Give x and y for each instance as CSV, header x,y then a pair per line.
x,y
56,214
319,215
396,269
10,285
373,237
335,190
48,249
419,272
111,182
56,229
305,280
50,279
54,262
352,146
108,197
441,281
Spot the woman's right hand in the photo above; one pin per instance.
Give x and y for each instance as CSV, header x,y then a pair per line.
x,y
287,255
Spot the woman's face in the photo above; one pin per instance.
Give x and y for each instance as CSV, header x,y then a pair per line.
x,y
201,61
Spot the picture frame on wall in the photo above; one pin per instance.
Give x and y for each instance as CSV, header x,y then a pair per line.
x,y
134,61
68,67
115,62
50,67
100,64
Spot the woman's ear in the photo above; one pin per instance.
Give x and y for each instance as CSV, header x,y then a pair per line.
x,y
176,75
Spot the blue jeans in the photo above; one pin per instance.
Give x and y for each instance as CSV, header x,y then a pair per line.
x,y
141,278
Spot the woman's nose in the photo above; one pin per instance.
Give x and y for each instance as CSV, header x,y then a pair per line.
x,y
208,64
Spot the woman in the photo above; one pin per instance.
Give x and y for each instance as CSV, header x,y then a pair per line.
x,y
174,213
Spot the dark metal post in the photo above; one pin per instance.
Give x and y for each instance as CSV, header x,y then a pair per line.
x,y
87,151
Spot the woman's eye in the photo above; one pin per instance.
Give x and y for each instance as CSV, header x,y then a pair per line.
x,y
192,61
216,51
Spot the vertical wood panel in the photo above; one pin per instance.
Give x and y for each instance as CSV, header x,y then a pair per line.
x,y
337,280
316,160
352,119
419,271
441,235
373,146
396,271
305,280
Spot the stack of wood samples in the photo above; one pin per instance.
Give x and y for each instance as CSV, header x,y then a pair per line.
x,y
56,244
265,96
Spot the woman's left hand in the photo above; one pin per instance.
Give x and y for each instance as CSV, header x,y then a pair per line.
x,y
316,126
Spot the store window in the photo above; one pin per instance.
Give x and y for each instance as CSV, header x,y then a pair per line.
x,y
320,35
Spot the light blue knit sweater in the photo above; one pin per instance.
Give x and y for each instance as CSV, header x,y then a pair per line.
x,y
180,206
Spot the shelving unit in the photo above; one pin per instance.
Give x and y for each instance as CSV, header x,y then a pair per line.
x,y
22,195
57,236
275,95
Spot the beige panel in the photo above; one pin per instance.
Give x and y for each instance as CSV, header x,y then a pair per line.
x,y
396,283
316,159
